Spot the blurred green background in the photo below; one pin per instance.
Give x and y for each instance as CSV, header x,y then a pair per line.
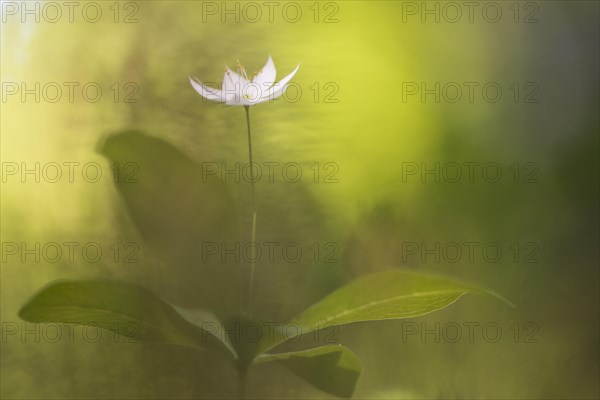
x,y
369,53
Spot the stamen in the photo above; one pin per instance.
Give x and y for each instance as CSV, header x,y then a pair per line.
x,y
241,69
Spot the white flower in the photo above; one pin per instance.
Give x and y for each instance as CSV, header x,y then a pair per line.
x,y
239,90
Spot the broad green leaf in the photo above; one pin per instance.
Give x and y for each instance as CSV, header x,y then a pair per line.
x,y
333,369
393,294
178,207
167,193
209,323
123,308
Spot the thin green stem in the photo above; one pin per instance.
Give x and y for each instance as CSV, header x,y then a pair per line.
x,y
253,234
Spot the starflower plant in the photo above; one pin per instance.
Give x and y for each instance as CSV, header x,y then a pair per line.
x,y
169,206
239,90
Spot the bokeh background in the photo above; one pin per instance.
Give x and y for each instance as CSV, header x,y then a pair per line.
x,y
357,58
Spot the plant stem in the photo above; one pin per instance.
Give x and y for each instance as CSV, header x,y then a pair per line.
x,y
253,234
242,379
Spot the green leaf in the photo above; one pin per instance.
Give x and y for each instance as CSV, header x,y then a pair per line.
x,y
165,191
123,308
208,322
333,369
393,294
177,206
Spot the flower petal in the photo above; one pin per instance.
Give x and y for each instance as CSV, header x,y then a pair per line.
x,y
232,82
207,92
277,90
238,101
266,76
